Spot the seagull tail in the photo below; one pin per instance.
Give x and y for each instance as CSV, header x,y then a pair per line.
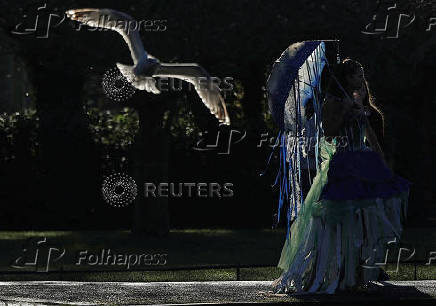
x,y
127,72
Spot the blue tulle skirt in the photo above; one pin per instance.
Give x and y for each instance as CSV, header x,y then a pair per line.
x,y
358,175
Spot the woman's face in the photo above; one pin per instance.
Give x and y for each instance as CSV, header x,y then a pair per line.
x,y
355,80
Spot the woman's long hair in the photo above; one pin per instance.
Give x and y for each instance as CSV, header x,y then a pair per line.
x,y
346,68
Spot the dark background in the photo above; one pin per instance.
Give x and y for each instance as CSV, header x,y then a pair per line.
x,y
60,135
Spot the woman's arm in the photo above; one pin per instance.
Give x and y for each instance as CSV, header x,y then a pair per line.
x,y
333,114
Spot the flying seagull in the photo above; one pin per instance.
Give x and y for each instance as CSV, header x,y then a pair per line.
x,y
145,67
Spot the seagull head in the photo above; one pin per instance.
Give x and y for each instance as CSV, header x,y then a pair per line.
x,y
88,16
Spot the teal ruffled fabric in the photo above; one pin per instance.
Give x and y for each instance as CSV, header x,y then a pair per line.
x,y
335,244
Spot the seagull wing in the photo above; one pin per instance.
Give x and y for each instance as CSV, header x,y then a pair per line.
x,y
208,91
116,21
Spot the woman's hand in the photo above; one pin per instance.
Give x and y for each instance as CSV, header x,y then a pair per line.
x,y
359,110
348,103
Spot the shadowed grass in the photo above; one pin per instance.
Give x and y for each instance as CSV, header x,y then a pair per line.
x,y
184,248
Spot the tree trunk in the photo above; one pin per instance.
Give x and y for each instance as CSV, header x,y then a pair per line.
x,y
150,165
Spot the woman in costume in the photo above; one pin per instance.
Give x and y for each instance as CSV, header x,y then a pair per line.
x,y
355,205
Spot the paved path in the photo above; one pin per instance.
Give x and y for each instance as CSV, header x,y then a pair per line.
x,y
114,293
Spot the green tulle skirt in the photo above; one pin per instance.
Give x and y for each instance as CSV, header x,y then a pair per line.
x,y
335,245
